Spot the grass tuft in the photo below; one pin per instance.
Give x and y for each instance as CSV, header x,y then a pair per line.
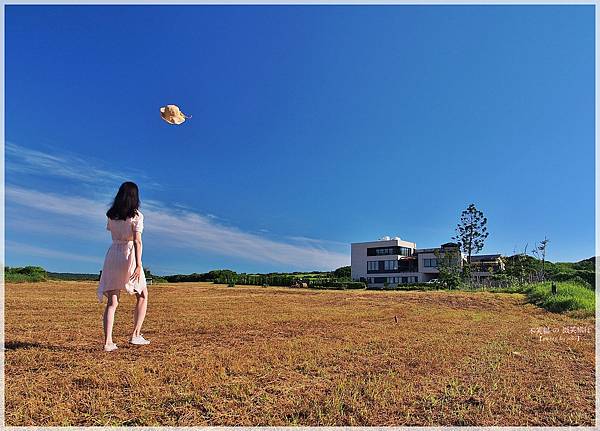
x,y
570,297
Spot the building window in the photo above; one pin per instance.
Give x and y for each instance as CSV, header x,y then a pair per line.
x,y
405,251
372,265
390,265
430,263
385,251
403,280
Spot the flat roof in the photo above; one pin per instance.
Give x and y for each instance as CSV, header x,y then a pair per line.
x,y
379,241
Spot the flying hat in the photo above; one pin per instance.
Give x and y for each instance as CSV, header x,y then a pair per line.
x,y
172,115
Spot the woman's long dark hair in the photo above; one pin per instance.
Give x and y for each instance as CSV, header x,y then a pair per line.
x,y
126,202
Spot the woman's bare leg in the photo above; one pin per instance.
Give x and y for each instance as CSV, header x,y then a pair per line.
x,y
109,315
140,311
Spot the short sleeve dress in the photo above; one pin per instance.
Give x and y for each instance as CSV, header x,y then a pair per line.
x,y
119,262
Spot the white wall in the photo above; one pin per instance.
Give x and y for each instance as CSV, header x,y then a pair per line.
x,y
423,268
358,256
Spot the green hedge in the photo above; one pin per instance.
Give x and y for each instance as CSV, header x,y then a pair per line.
x,y
412,286
328,284
25,274
569,297
73,276
158,280
289,281
256,280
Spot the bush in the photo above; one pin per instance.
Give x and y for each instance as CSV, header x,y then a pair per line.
x,y
325,283
569,297
579,280
25,274
343,272
231,284
355,285
411,286
256,279
180,278
156,279
582,277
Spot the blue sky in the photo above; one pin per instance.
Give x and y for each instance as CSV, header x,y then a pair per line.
x,y
313,127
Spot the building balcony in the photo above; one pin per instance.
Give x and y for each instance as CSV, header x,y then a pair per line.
x,y
391,271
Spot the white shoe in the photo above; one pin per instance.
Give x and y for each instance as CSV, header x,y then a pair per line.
x,y
139,340
110,347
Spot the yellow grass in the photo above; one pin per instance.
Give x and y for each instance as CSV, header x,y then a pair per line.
x,y
278,356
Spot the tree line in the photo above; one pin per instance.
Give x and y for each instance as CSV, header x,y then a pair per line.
x,y
470,237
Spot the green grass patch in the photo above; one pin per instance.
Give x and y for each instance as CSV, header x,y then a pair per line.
x,y
23,278
569,297
24,274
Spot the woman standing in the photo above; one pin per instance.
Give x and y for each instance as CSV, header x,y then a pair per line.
x,y
123,263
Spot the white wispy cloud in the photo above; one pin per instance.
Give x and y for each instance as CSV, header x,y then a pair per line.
x,y
171,226
184,229
17,247
72,206
20,159
197,231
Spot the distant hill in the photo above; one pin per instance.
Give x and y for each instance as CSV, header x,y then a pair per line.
x,y
72,276
584,270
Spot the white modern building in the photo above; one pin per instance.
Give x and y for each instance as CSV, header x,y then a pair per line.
x,y
393,261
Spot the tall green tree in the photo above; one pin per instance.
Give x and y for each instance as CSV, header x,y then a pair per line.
x,y
540,252
471,232
448,264
343,272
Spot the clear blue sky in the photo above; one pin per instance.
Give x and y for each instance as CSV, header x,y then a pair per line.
x,y
313,127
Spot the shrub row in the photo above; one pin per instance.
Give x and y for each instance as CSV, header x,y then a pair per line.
x,y
256,280
412,286
73,276
25,274
291,281
327,284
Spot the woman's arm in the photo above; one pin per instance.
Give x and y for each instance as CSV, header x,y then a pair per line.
x,y
137,244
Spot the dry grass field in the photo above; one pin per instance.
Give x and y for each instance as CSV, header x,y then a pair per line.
x,y
279,356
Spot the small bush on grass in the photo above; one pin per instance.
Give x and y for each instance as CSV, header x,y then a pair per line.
x,y
158,280
569,297
328,284
25,274
412,286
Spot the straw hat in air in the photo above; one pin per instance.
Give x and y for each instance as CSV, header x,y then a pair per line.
x,y
172,115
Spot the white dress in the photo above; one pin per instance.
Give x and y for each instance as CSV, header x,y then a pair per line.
x,y
119,263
